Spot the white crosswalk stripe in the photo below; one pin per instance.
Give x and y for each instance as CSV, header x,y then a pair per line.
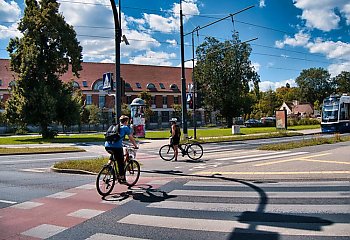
x,y
301,209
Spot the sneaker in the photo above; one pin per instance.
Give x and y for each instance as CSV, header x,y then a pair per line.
x,y
122,180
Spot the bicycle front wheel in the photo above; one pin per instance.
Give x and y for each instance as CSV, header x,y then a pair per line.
x,y
195,151
105,180
132,172
167,152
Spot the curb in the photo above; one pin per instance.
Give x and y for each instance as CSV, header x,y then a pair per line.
x,y
72,171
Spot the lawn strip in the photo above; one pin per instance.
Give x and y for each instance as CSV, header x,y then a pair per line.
x,y
35,150
305,143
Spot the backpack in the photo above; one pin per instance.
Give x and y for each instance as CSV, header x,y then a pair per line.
x,y
113,133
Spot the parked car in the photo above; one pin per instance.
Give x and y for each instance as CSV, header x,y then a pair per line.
x,y
268,121
252,123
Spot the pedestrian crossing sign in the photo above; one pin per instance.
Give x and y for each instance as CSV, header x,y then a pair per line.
x,y
107,81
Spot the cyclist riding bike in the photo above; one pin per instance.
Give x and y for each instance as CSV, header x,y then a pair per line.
x,y
175,136
116,147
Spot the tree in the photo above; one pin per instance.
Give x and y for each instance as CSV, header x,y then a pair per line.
x,y
287,94
224,73
269,103
342,82
314,84
47,49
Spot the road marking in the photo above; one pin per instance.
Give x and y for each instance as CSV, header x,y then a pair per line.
x,y
236,207
9,202
265,184
317,155
323,161
229,226
273,173
250,156
251,194
269,157
103,236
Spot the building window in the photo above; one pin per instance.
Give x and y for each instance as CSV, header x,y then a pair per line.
x,y
176,99
138,85
75,84
165,100
127,85
165,116
88,99
0,82
101,101
153,100
161,85
151,86
174,86
154,117
85,84
98,85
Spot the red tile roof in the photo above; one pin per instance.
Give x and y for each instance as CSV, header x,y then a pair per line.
x,y
131,73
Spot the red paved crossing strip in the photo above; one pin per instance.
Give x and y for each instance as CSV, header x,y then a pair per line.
x,y
44,217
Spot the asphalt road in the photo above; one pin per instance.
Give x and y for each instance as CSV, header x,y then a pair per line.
x,y
234,192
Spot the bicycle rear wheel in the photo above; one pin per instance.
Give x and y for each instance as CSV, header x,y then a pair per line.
x,y
195,151
105,180
132,172
167,152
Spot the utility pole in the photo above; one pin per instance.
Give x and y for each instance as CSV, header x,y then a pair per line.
x,y
118,34
183,77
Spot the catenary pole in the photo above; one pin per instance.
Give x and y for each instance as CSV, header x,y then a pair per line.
x,y
118,34
183,77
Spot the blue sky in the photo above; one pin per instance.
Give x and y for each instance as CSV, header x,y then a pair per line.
x,y
292,35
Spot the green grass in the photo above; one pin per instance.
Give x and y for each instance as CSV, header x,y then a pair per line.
x,y
305,143
90,165
33,150
74,138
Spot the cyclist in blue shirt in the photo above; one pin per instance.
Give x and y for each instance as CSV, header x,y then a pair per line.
x,y
116,147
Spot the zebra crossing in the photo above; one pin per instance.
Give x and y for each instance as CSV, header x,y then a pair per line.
x,y
217,209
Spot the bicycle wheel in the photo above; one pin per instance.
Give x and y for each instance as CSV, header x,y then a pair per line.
x,y
105,180
167,152
132,172
195,151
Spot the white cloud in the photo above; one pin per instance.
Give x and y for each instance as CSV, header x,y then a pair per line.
x,y
299,39
346,12
10,31
173,42
331,49
171,23
9,11
9,15
322,14
153,58
262,3
267,85
335,69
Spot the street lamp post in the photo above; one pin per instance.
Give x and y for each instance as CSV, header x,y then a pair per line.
x,y
183,77
118,34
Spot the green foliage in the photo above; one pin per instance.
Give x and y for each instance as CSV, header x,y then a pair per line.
x,y
315,84
94,113
225,64
342,82
146,96
45,51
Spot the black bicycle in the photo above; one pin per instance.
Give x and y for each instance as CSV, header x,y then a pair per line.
x,y
109,173
193,150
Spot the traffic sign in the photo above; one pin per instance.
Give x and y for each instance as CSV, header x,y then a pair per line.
x,y
107,81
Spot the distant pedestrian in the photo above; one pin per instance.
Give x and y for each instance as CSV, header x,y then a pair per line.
x,y
175,136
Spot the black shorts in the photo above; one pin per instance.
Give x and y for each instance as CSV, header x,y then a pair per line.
x,y
175,141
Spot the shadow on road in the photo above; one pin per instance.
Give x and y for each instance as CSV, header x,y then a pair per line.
x,y
259,217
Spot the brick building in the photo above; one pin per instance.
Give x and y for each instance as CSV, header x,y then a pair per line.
x,y
163,83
